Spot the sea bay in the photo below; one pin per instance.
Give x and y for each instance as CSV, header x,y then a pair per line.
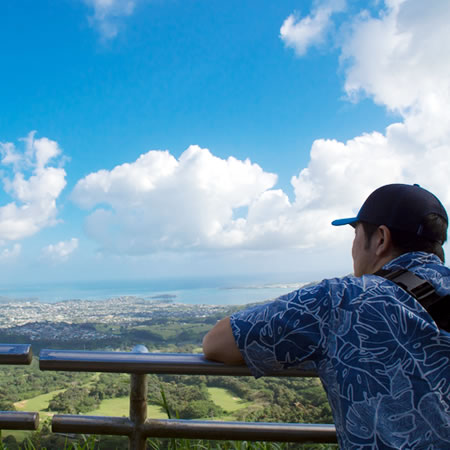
x,y
188,291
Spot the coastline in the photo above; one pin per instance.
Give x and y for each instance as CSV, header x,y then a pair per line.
x,y
220,294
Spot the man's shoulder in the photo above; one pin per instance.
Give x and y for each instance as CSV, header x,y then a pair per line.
x,y
426,266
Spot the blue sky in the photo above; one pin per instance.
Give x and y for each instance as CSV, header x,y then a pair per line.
x,y
343,96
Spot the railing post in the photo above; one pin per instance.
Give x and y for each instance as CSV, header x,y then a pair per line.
x,y
138,405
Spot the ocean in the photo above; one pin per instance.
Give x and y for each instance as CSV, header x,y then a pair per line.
x,y
189,291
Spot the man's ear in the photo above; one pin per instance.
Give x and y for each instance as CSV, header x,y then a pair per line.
x,y
383,241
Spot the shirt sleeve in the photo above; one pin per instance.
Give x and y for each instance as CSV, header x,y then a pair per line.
x,y
284,333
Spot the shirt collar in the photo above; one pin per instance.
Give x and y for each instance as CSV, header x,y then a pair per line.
x,y
412,259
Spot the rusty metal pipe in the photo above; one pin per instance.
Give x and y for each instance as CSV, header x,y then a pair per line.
x,y
15,354
18,420
248,431
157,363
67,423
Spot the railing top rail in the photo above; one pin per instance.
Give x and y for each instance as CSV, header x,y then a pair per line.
x,y
156,363
19,420
15,354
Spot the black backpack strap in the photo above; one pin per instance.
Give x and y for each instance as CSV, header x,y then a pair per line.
x,y
436,305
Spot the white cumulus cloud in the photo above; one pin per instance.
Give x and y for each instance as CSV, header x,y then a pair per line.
x,y
60,251
159,202
33,185
108,14
302,33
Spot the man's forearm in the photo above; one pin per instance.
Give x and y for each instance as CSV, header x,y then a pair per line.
x,y
219,344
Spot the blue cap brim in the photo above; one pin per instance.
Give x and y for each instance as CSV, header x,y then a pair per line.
x,y
348,221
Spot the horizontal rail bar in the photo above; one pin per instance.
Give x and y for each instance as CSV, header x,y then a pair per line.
x,y
196,429
67,423
15,354
158,363
18,420
251,431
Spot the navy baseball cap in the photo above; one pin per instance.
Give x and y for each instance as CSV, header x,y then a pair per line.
x,y
399,206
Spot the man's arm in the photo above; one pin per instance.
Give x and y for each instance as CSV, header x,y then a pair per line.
x,y
219,344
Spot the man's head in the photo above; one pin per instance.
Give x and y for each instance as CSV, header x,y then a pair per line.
x,y
395,219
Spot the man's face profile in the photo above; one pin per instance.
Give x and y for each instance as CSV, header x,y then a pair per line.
x,y
362,254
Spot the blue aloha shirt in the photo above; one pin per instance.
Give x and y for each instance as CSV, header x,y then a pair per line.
x,y
382,360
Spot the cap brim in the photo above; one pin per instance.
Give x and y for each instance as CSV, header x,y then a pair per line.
x,y
348,221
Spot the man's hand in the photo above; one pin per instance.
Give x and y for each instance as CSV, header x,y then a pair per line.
x,y
219,344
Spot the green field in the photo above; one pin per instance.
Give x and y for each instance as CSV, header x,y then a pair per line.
x,y
170,331
119,407
18,434
38,403
226,400
109,407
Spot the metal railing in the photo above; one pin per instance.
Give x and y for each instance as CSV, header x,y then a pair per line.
x,y
17,420
138,427
15,354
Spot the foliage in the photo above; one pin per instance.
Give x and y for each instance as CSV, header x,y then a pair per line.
x,y
185,401
82,399
24,382
273,399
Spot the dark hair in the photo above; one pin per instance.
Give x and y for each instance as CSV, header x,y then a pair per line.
x,y
403,242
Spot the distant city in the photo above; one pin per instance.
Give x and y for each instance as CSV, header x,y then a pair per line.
x,y
69,320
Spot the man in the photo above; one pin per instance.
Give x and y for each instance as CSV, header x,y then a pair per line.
x,y
382,358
